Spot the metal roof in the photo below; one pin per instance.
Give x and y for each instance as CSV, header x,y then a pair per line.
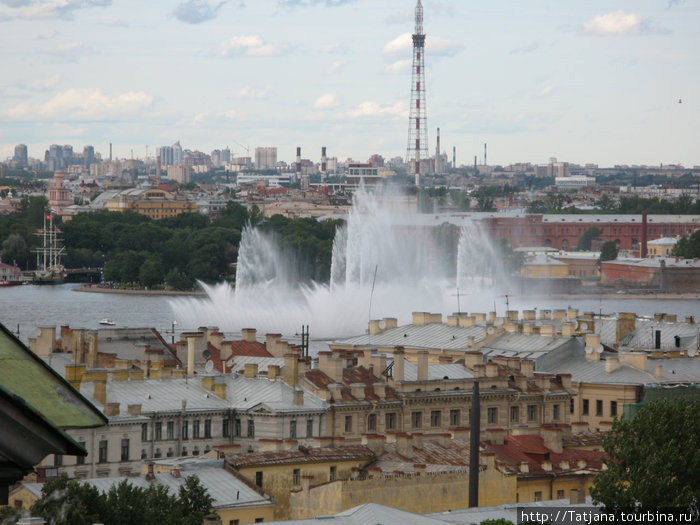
x,y
434,335
525,346
25,375
225,488
449,371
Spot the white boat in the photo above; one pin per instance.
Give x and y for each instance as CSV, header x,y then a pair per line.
x,y
107,321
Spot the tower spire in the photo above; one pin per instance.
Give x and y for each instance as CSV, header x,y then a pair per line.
x,y
417,120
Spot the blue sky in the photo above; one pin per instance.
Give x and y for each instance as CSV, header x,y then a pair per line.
x,y
583,81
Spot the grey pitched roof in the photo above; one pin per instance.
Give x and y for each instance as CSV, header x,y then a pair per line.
x,y
225,488
435,335
451,371
525,346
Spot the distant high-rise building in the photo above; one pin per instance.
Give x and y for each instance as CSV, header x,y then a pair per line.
x,y
265,158
170,155
216,157
88,156
225,156
20,159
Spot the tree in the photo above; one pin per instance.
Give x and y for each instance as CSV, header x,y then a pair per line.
x,y
688,247
67,502
151,271
652,459
606,203
194,501
587,237
14,249
608,252
255,215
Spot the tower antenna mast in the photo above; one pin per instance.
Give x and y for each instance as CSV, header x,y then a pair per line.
x,y
417,119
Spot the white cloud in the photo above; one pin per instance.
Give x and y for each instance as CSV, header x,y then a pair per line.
x,y
79,104
375,109
196,11
618,23
336,66
327,101
434,46
247,45
251,92
47,36
42,9
547,90
399,67
46,84
399,45
403,18
67,50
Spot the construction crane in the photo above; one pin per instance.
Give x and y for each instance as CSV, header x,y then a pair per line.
x,y
246,148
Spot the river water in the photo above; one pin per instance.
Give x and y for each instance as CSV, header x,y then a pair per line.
x,y
30,306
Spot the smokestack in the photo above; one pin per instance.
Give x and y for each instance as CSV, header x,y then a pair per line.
x,y
437,153
454,157
110,152
644,235
474,163
298,163
485,154
323,161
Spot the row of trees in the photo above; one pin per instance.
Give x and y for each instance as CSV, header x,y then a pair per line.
x,y
69,502
175,251
558,203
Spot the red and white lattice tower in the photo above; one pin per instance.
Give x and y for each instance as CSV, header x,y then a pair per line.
x,y
417,120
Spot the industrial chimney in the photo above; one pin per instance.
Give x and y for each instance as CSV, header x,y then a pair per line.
x,y
323,162
298,170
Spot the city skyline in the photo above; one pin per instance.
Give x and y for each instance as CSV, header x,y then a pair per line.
x,y
596,82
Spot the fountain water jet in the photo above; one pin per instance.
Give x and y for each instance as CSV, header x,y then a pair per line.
x,y
419,268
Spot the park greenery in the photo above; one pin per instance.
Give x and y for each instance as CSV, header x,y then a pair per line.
x,y
688,247
652,460
174,252
629,205
70,502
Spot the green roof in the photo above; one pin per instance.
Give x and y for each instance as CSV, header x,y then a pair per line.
x,y
24,374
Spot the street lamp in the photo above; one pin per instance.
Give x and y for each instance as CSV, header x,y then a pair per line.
x,y
172,331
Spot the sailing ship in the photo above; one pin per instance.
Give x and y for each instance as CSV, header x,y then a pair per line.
x,y
48,256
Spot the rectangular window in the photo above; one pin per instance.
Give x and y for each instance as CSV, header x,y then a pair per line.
x,y
455,417
171,430
144,431
571,405
251,428
80,460
57,460
125,450
555,412
435,418
560,494
225,430
309,428
348,423
207,428
598,407
492,415
390,420
532,412
372,422
538,495
195,429
333,473
613,408
234,522
185,429
296,476
293,428
258,478
514,414
102,458
259,520
159,431
237,427
416,419
585,407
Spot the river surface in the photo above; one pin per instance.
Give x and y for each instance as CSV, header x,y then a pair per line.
x,y
31,306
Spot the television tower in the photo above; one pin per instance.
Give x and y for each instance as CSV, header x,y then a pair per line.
x,y
417,118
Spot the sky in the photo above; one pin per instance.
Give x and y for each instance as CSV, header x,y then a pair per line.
x,y
585,81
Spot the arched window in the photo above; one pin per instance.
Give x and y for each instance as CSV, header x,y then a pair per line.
x,y
635,244
617,244
564,244
548,243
